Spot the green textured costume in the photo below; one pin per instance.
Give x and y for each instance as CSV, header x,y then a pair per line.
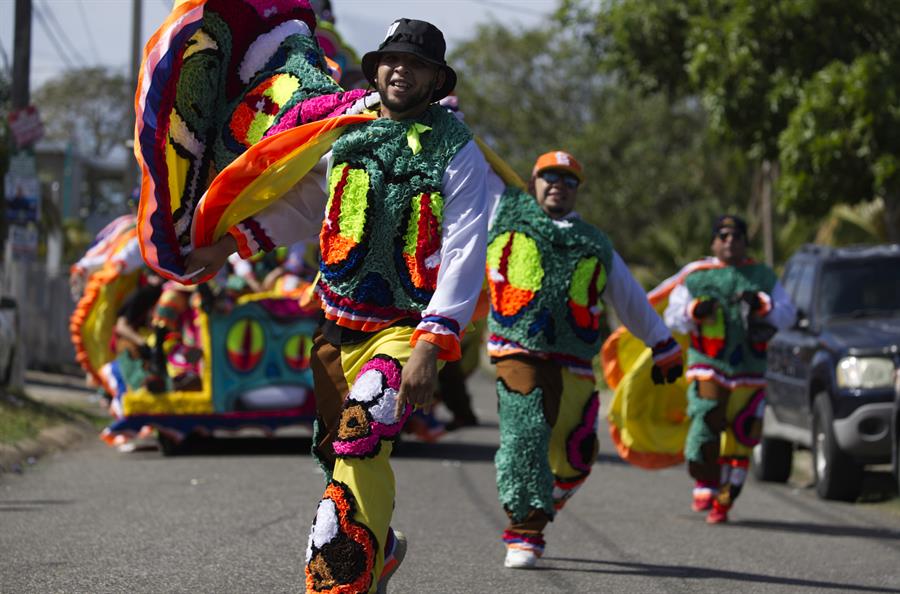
x,y
546,278
382,234
524,478
723,345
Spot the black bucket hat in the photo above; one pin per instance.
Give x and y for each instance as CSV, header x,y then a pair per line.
x,y
423,40
729,221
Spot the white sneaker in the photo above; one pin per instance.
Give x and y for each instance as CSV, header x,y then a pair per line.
x,y
520,558
392,562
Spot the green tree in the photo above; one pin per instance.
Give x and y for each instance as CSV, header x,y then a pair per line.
x,y
842,143
807,84
529,92
90,106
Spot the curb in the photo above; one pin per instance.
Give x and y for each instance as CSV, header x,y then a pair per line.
x,y
15,457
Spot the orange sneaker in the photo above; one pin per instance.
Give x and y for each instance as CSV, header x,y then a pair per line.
x,y
718,514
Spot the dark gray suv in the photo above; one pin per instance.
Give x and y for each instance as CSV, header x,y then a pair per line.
x,y
832,378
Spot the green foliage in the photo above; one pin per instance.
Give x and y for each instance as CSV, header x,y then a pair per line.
x,y
92,106
842,143
645,158
24,417
811,83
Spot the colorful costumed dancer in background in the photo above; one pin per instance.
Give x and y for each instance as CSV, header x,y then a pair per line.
x,y
547,271
402,253
730,306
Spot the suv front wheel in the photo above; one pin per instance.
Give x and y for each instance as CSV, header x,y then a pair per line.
x,y
772,459
837,475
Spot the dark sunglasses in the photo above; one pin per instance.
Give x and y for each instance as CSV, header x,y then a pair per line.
x,y
551,177
724,235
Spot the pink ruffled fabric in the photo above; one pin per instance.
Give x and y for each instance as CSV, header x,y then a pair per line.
x,y
315,109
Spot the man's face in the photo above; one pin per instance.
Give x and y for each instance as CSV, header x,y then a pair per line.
x,y
729,245
405,84
555,190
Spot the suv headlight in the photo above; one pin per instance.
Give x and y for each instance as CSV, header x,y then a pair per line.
x,y
865,372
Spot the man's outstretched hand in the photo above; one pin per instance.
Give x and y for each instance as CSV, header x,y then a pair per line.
x,y
209,259
667,362
419,378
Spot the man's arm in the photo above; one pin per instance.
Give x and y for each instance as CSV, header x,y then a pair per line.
x,y
781,311
459,280
296,216
629,300
678,314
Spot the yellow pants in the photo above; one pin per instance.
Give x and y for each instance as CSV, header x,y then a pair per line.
x,y
356,392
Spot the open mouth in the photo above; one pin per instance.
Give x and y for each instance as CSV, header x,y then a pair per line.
x,y
401,86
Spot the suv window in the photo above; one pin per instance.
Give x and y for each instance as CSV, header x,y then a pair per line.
x,y
803,292
791,274
858,288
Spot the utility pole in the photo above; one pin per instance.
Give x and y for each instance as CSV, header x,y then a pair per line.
x,y
129,179
21,79
21,97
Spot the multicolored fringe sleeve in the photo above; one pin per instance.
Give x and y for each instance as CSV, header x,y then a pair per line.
x,y
217,76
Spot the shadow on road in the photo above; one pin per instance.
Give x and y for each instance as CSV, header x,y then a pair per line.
x,y
244,446
292,446
821,529
19,505
704,573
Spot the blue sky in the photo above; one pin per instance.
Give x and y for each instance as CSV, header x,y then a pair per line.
x,y
97,31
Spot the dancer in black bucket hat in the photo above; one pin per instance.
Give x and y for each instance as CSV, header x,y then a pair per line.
x,y
421,39
399,205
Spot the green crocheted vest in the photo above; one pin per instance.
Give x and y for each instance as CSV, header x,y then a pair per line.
x,y
381,239
722,343
546,278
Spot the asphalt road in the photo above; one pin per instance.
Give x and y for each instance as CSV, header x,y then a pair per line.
x,y
234,516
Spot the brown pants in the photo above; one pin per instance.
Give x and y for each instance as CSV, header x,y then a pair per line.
x,y
331,389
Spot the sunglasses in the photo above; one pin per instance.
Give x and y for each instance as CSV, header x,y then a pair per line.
x,y
551,177
724,235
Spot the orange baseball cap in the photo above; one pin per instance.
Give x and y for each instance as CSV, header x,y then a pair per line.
x,y
558,160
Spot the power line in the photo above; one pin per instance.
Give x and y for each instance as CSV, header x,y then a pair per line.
x,y
61,32
50,34
90,36
517,7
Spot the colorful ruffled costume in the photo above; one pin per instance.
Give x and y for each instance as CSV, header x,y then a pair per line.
x,y
546,281
398,207
112,272
726,367
659,426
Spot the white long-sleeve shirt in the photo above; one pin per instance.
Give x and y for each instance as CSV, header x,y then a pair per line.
x,y
678,313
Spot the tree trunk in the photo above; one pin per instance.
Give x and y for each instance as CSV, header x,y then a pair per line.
x,y
892,218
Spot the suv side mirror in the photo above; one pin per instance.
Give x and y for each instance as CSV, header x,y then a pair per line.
x,y
802,322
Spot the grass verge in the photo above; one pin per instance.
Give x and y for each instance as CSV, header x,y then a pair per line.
x,y
21,416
